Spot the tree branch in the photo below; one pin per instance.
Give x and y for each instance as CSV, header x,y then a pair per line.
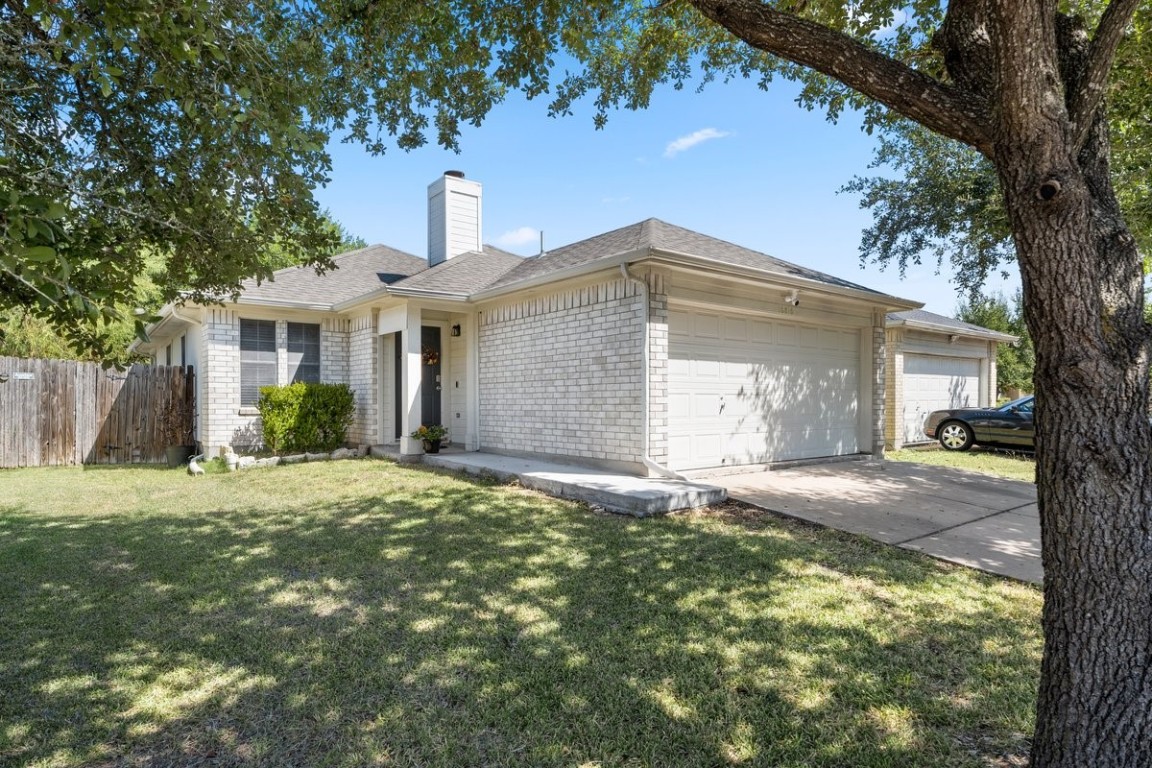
x,y
1089,93
913,94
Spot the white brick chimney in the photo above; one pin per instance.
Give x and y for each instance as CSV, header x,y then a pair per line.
x,y
454,207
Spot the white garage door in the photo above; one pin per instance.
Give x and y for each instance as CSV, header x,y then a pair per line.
x,y
743,390
932,383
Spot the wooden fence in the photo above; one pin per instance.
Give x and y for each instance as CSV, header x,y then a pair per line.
x,y
55,412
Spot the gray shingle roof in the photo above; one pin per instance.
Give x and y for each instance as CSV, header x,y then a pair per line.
x,y
357,273
654,234
924,317
465,274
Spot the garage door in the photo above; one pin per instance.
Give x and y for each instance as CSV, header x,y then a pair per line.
x,y
743,390
932,383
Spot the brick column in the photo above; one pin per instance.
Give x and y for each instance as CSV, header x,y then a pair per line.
x,y
879,319
658,369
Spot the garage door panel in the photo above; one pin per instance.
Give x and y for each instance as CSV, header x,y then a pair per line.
x,y
767,399
936,382
705,326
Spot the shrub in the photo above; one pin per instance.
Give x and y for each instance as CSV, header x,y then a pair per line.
x,y
305,417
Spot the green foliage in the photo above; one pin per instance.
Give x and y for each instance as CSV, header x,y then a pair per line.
x,y
305,417
1014,363
193,129
196,129
942,200
944,205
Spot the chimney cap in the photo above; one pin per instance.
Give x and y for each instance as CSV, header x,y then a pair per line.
x,y
455,174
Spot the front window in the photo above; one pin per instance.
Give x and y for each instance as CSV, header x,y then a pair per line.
x,y
257,359
304,352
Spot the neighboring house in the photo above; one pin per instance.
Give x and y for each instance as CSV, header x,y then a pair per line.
x,y
648,349
936,362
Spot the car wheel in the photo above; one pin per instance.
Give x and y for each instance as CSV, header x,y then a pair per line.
x,y
956,436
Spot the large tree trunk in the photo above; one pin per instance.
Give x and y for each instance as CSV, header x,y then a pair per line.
x,y
1083,302
1082,282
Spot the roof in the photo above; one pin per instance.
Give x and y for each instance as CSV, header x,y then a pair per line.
x,y
355,273
462,275
919,318
654,235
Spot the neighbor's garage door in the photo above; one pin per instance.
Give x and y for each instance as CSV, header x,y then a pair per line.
x,y
742,390
933,383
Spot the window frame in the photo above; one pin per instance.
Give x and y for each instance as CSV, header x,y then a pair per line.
x,y
258,359
303,348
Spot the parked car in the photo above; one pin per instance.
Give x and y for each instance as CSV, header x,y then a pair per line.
x,y
958,429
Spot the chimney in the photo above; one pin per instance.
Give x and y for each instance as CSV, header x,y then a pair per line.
x,y
454,207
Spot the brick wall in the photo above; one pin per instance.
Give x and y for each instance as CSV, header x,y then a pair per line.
x,y
658,369
879,354
221,419
334,350
894,392
221,422
363,377
562,374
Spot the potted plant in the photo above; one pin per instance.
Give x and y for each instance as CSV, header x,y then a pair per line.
x,y
431,436
177,422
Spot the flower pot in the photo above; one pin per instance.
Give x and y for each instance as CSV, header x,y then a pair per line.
x,y
178,455
431,446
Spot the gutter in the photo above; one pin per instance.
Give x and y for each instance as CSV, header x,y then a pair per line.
x,y
649,462
676,258
952,330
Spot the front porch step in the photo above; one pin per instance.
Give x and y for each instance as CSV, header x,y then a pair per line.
x,y
620,493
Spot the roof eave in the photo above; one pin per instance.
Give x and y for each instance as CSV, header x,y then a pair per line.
x,y
792,281
951,330
278,304
170,319
579,270
424,293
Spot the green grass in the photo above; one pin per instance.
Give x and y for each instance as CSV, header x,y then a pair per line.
x,y
361,613
1014,465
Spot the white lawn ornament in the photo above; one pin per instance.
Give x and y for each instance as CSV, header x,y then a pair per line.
x,y
195,469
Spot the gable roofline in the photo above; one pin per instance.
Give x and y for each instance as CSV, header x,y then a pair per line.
x,y
930,321
692,261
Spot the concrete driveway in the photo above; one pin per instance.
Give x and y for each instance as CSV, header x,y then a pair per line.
x,y
963,517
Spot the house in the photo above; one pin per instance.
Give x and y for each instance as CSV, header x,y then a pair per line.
x,y
650,349
935,362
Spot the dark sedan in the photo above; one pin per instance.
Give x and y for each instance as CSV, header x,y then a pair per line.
x,y
959,429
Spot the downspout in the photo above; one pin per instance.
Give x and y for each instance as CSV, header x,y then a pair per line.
x,y
646,355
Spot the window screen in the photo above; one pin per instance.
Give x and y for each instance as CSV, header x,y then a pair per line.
x,y
257,358
304,352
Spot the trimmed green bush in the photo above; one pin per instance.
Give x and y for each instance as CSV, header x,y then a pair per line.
x,y
305,417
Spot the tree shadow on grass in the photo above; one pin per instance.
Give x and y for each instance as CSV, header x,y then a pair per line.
x,y
438,621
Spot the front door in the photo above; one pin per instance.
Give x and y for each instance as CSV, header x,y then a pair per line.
x,y
430,375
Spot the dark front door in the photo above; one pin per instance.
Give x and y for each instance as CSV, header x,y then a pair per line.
x,y
430,375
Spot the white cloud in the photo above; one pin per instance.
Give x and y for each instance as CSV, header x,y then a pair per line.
x,y
518,237
683,143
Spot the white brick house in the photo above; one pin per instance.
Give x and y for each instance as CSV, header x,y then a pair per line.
x,y
933,363
650,348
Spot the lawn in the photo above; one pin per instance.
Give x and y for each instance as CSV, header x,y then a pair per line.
x,y
1014,465
362,613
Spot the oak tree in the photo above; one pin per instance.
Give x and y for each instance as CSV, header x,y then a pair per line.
x,y
180,124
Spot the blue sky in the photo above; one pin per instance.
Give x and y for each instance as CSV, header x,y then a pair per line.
x,y
732,162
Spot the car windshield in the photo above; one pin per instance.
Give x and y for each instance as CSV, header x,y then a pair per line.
x,y
1019,404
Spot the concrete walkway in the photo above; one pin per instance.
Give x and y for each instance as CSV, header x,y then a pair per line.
x,y
979,521
639,496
